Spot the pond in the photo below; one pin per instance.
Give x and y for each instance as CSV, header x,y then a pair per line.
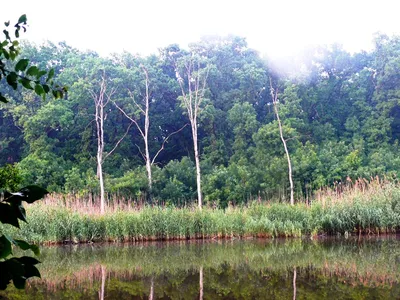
x,y
339,268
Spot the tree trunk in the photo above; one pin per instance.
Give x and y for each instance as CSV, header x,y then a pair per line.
x,y
146,133
99,103
274,96
193,97
101,183
197,160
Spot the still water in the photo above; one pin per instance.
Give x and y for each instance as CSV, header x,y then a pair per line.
x,y
334,268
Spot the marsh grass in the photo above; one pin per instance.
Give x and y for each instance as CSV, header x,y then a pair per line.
x,y
362,207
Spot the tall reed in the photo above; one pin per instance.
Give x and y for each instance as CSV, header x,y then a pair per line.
x,y
362,207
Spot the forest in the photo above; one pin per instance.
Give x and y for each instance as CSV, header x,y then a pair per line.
x,y
147,125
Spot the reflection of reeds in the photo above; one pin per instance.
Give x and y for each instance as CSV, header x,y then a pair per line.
x,y
369,263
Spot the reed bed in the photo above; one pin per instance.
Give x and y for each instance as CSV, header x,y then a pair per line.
x,y
363,207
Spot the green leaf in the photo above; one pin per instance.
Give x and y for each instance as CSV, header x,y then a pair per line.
x,y
26,83
32,71
22,19
6,34
50,75
13,54
58,94
17,33
21,213
3,99
40,74
33,193
5,276
5,247
26,246
31,271
39,90
12,80
46,88
35,249
15,267
19,282
27,260
6,54
7,23
22,65
7,215
22,244
14,198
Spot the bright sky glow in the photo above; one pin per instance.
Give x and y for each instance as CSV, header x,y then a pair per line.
x,y
277,28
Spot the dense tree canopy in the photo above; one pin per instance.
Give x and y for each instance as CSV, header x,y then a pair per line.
x,y
340,118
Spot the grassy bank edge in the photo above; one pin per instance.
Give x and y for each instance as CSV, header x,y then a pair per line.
x,y
371,214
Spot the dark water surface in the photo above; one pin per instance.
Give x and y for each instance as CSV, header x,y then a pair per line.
x,y
366,268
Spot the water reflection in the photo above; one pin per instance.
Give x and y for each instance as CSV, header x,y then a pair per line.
x,y
260,269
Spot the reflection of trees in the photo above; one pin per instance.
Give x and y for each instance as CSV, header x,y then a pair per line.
x,y
103,282
201,282
151,294
294,282
234,269
226,281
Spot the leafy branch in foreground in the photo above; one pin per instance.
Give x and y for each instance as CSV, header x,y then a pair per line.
x,y
11,211
21,73
19,269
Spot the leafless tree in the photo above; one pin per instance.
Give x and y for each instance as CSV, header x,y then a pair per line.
x,y
193,90
101,99
275,101
144,107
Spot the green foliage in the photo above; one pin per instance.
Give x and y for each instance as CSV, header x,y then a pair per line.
x,y
10,177
340,118
179,185
15,269
31,78
132,183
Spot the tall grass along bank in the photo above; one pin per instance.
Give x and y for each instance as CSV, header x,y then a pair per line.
x,y
372,209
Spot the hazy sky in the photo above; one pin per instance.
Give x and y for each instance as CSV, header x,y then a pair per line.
x,y
276,28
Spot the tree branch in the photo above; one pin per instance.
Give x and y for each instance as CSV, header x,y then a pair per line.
x,y
134,101
165,140
119,141
140,151
131,119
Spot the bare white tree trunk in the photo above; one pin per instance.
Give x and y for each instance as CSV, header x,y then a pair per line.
x,y
146,131
192,100
197,161
101,99
274,95
99,117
